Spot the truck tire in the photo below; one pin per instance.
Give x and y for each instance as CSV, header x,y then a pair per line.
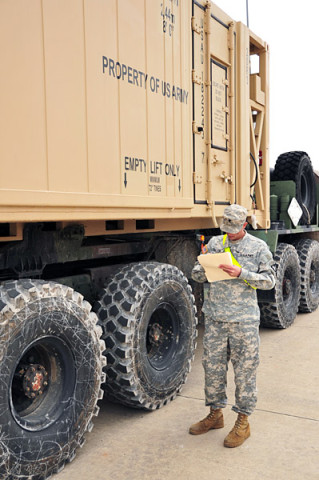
x,y
282,312
308,251
148,317
297,166
50,376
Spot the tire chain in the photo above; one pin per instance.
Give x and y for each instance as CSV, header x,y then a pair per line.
x,y
14,296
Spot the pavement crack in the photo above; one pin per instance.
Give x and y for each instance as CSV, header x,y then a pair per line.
x,y
259,409
287,414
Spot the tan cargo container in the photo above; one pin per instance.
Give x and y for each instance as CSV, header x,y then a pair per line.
x,y
126,127
104,107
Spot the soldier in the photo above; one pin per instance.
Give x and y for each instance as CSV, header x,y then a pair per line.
x,y
232,324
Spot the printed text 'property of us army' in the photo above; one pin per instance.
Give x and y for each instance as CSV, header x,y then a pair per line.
x,y
140,79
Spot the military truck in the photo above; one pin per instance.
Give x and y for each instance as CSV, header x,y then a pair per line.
x,y
126,127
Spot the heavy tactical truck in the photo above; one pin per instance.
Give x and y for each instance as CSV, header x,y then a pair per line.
x,y
126,127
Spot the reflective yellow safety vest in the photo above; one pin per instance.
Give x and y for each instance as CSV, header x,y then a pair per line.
x,y
227,249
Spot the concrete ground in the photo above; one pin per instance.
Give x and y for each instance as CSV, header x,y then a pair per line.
x,y
284,445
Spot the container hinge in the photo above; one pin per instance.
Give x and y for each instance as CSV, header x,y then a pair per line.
x,y
196,26
198,129
197,178
196,78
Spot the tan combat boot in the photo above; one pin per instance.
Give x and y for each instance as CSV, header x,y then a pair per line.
x,y
239,433
213,420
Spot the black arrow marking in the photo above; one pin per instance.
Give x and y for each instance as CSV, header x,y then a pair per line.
x,y
125,181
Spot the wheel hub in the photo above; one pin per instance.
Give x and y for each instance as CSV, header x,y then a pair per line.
x,y
156,335
162,336
287,287
35,379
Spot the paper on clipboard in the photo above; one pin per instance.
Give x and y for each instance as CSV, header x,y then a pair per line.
x,y
210,262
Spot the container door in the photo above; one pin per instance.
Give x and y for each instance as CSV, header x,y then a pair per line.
x,y
213,110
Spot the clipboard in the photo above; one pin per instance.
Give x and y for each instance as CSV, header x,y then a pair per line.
x,y
210,262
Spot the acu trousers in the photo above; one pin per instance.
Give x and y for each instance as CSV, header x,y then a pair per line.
x,y
238,342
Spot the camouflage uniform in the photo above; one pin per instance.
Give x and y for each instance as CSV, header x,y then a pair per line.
x,y
232,321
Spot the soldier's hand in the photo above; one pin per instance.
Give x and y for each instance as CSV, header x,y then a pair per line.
x,y
232,270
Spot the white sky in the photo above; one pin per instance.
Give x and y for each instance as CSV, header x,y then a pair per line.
x,y
290,28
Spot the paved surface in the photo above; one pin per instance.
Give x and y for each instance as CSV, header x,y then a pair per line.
x,y
135,445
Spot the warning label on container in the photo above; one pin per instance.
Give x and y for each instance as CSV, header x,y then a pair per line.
x,y
154,173
219,104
